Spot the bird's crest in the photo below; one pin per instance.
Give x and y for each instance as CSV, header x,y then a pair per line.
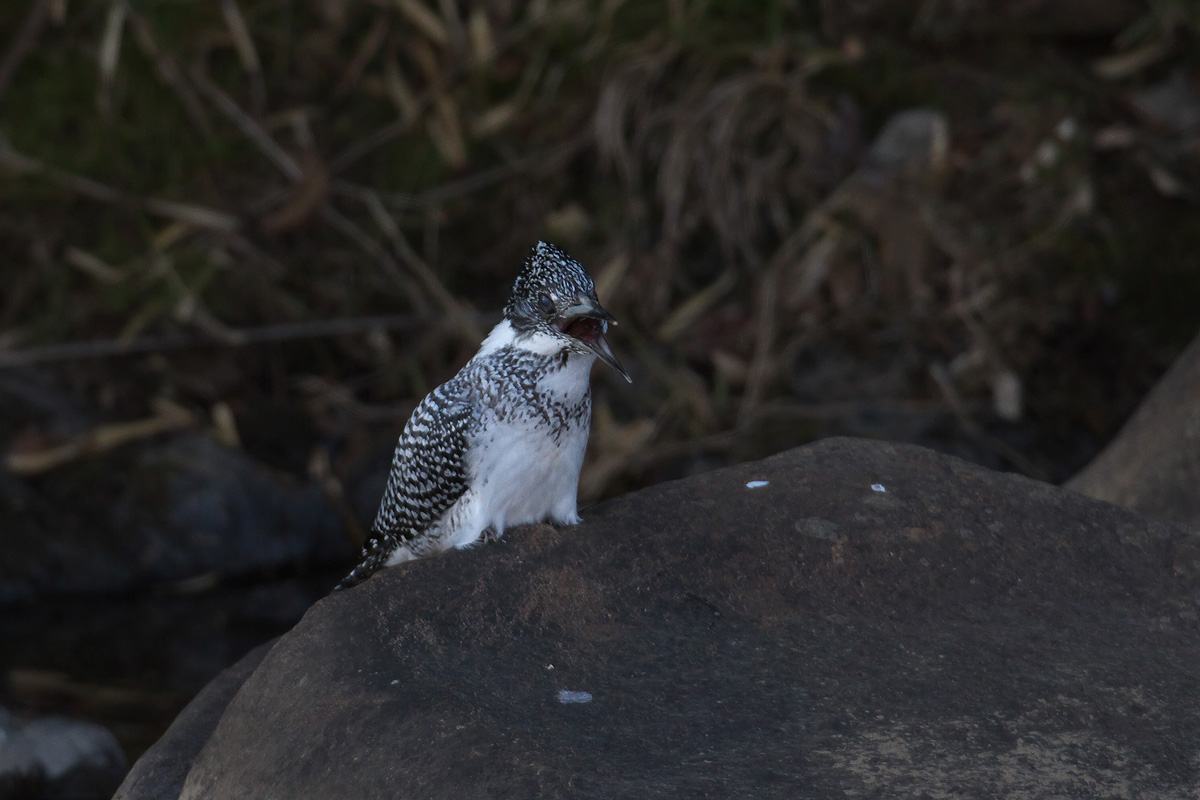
x,y
547,270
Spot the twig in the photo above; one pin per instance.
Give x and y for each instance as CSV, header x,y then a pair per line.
x,y
291,169
387,133
969,426
199,216
417,265
424,20
380,137
661,452
362,57
249,128
686,313
110,54
189,308
372,248
169,73
548,159
455,28
186,212
168,417
35,686
237,337
321,470
243,42
785,411
306,197
341,395
23,42
764,339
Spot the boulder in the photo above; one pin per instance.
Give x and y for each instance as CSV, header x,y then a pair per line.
x,y
59,758
160,510
848,619
1153,464
162,769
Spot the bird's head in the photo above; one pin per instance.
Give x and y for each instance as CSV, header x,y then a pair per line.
x,y
554,296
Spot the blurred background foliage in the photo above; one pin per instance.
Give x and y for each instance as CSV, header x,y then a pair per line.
x,y
212,167
970,225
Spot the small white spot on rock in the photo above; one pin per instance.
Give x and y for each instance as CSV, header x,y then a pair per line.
x,y
565,696
878,487
395,681
757,484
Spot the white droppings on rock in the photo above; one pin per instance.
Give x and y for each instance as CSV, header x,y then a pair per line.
x,y
878,487
566,697
756,484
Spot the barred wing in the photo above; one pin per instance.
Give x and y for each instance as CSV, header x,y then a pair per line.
x,y
428,475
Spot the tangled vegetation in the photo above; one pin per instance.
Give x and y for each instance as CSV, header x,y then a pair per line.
x,y
292,218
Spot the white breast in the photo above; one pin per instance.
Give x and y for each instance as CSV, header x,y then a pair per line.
x,y
519,471
522,472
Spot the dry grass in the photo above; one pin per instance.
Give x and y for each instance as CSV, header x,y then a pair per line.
x,y
174,173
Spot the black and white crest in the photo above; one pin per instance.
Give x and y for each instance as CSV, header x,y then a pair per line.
x,y
551,272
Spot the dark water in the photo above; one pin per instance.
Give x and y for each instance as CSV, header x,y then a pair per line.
x,y
132,662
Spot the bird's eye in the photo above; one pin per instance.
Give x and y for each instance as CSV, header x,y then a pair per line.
x,y
545,304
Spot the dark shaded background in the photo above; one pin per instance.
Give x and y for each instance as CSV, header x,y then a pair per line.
x,y
273,226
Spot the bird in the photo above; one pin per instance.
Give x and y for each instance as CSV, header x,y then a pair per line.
x,y
502,442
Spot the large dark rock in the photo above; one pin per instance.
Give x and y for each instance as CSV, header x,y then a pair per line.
x,y
58,759
876,620
1153,464
157,511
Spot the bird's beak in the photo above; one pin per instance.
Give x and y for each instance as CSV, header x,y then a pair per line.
x,y
587,323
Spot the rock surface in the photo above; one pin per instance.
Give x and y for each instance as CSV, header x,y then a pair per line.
x,y
59,758
157,511
849,619
1153,464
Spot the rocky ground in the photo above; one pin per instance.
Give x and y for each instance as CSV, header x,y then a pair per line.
x,y
843,620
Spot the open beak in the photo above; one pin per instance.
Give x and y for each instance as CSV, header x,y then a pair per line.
x,y
587,322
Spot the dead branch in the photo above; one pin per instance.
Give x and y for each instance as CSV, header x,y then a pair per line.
x,y
242,337
189,213
23,42
168,417
246,124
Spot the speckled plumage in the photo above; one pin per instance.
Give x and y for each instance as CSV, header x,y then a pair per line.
x,y
501,443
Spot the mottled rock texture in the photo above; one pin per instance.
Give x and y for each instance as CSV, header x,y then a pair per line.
x,y
1153,464
877,620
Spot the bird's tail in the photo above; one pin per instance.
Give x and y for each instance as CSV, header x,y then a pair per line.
x,y
374,556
